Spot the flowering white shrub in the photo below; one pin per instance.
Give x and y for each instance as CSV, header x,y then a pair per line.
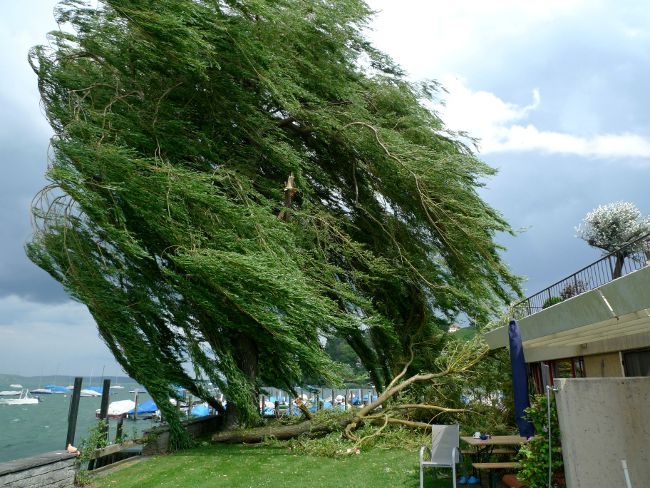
x,y
610,227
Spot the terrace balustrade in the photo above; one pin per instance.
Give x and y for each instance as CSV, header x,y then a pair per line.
x,y
631,257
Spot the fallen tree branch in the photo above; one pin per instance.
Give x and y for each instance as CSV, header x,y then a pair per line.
x,y
424,406
307,428
459,359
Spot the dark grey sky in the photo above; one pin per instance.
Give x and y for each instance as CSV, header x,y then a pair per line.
x,y
556,91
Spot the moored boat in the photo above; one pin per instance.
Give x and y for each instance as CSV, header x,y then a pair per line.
x,y
10,392
25,398
41,391
117,409
87,392
58,389
145,410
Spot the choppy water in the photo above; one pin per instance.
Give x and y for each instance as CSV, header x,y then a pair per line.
x,y
29,430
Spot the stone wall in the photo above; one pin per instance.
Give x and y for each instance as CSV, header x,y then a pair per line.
x,y
158,437
53,470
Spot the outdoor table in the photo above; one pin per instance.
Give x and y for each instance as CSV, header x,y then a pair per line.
x,y
482,447
482,451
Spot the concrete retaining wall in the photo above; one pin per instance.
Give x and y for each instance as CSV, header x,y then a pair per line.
x,y
53,469
158,437
604,425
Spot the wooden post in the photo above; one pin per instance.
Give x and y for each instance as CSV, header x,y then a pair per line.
x,y
73,412
118,430
135,409
103,409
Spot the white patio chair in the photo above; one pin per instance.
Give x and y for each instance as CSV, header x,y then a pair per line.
x,y
443,452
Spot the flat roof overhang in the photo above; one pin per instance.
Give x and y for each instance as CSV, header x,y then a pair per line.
x,y
615,316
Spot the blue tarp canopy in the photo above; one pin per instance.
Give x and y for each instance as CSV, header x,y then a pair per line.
x,y
200,410
145,407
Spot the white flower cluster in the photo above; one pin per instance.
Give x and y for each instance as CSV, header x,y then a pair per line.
x,y
610,227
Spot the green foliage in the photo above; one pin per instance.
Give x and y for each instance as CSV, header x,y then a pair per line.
x,y
534,455
97,439
466,333
352,370
177,124
549,302
335,445
487,396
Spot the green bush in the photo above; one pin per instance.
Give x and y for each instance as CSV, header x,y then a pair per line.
x,y
97,439
534,455
551,301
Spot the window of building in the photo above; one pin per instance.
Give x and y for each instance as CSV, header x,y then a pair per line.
x,y
558,368
637,363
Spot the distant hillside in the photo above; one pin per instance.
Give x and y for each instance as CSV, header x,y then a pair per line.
x,y
62,380
465,333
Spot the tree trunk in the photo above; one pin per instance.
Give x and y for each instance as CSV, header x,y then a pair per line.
x,y
279,432
246,356
618,267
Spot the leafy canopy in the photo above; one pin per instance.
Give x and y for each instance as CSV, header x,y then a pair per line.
x,y
177,126
612,226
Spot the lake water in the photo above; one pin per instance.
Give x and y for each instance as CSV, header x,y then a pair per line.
x,y
29,430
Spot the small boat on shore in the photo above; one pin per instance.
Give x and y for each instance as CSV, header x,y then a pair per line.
x,y
25,398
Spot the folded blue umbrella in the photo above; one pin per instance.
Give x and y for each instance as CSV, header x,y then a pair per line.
x,y
519,381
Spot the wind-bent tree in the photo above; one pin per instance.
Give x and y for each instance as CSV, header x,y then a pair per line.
x,y
232,181
612,228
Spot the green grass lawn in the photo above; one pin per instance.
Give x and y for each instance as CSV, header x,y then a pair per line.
x,y
257,466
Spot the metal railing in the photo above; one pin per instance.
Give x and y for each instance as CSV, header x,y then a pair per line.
x,y
631,257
